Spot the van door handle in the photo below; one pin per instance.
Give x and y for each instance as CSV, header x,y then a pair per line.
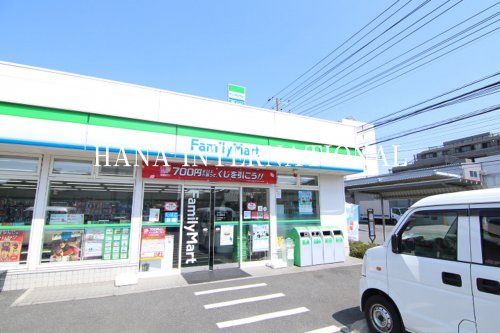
x,y
488,286
452,279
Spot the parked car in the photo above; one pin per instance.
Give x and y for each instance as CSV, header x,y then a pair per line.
x,y
440,269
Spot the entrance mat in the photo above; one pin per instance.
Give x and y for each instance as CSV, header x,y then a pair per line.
x,y
215,275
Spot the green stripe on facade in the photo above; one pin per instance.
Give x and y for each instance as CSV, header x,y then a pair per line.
x,y
15,227
300,221
139,125
85,226
36,112
29,111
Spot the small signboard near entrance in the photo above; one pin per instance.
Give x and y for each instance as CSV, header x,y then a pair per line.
x,y
210,173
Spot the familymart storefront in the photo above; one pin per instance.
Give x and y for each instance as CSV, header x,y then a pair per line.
x,y
197,194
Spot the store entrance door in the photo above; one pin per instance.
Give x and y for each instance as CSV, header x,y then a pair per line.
x,y
210,228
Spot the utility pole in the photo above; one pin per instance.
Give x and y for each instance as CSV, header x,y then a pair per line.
x,y
278,104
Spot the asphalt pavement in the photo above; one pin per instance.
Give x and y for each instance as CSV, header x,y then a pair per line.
x,y
299,302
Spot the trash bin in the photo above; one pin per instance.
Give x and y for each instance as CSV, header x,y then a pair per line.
x,y
302,250
289,251
339,245
317,245
328,245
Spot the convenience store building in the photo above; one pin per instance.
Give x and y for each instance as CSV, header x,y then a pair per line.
x,y
65,220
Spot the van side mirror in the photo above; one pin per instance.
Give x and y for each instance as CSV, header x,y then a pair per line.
x,y
395,244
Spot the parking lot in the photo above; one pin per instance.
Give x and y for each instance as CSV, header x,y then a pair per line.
x,y
299,302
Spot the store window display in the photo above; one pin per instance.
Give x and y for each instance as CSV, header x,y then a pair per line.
x,y
17,197
256,228
296,208
160,229
87,221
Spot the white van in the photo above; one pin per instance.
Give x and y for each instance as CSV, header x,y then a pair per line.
x,y
440,270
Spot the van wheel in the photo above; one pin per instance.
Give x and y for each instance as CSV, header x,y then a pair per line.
x,y
382,316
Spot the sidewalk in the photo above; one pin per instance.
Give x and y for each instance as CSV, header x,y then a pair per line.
x,y
106,289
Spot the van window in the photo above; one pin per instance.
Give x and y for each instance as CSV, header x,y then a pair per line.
x,y
431,234
490,236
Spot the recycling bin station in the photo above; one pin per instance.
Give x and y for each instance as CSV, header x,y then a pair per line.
x,y
302,246
316,245
339,253
328,245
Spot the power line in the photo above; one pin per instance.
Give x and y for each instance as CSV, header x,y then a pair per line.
x,y
304,93
476,93
310,111
329,54
406,52
435,97
438,124
358,50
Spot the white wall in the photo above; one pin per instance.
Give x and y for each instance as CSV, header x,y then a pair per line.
x,y
42,87
371,166
332,203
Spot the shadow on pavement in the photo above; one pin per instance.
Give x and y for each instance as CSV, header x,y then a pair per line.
x,y
347,317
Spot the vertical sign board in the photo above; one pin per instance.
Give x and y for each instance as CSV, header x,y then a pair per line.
x,y
371,224
236,94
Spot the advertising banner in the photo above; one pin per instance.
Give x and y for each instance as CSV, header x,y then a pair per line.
x,y
153,243
65,245
226,234
352,219
11,243
115,243
305,203
92,243
260,237
210,173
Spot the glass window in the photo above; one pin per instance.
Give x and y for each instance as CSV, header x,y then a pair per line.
x,y
287,180
256,229
161,226
296,208
87,220
17,199
309,180
116,171
490,236
72,167
19,164
431,234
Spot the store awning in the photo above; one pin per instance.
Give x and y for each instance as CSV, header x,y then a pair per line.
x,y
413,185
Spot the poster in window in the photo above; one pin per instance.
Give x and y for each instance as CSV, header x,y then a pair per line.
x,y
92,244
11,243
153,243
305,203
154,214
65,246
260,237
226,234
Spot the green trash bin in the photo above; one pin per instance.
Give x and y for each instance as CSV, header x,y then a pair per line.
x,y
302,252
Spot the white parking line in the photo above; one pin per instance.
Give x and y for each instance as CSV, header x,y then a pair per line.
x,y
243,300
261,317
247,286
329,329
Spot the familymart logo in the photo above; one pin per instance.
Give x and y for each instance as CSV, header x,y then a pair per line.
x,y
198,151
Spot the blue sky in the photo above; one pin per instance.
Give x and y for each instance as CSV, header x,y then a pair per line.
x,y
198,47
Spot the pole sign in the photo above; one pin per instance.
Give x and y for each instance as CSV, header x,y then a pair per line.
x,y
236,94
371,224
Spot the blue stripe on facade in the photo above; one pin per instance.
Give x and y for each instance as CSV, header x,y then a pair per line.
x,y
171,155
